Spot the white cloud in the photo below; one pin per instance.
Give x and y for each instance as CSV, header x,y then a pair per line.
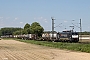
x,y
34,18
21,22
45,20
1,17
65,21
16,18
88,27
41,19
38,18
7,17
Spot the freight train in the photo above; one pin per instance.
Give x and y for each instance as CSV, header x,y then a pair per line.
x,y
60,36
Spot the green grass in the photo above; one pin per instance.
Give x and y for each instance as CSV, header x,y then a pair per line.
x,y
83,47
9,38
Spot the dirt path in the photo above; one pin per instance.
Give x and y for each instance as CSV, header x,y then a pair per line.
x,y
15,50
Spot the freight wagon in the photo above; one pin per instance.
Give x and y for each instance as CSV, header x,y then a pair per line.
x,y
48,36
27,36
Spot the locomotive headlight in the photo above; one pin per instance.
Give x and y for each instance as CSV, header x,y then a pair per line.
x,y
74,36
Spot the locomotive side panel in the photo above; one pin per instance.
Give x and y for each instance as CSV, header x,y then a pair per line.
x,y
64,36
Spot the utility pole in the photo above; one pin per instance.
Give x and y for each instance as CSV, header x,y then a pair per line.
x,y
20,31
80,29
52,27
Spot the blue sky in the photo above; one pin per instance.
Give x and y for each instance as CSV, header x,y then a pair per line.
x,y
16,13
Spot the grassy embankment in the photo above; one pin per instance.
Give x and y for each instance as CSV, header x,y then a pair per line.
x,y
83,47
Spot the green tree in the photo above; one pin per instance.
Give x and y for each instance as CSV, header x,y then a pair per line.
x,y
24,31
9,30
17,32
0,33
27,29
36,28
27,26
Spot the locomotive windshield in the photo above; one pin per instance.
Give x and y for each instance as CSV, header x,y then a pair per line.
x,y
75,33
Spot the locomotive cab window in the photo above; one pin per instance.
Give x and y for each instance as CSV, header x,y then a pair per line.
x,y
74,33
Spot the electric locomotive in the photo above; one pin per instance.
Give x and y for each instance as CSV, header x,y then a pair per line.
x,y
69,36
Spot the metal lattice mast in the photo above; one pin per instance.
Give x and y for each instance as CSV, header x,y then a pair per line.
x,y
80,29
52,27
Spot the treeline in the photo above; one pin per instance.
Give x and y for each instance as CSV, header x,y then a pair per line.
x,y
34,28
8,30
84,33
